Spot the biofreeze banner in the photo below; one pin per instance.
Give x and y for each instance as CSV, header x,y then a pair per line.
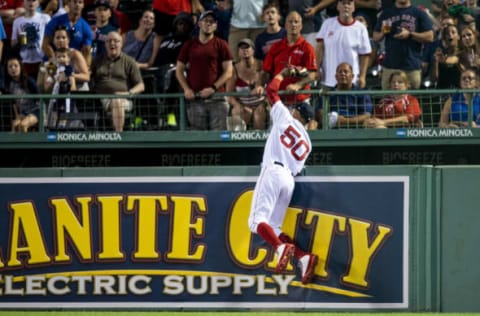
x,y
183,242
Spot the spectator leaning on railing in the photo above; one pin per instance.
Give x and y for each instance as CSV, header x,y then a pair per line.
x,y
346,110
27,111
295,53
456,107
251,109
116,73
210,66
396,110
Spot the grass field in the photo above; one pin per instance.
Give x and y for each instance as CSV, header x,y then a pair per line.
x,y
214,313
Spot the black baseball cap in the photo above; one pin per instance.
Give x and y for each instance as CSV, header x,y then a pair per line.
x,y
208,13
305,110
102,3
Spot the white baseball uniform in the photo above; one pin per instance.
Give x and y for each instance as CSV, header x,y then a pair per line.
x,y
287,148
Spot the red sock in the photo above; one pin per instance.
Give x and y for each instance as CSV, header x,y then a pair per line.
x,y
298,252
266,232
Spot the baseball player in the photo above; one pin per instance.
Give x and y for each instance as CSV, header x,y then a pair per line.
x,y
287,148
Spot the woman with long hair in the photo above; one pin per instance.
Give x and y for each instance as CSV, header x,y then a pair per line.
x,y
142,43
446,66
27,111
81,73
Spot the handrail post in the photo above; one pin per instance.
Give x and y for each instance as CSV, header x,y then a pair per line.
x,y
183,125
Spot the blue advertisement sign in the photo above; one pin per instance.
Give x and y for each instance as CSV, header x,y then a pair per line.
x,y
184,242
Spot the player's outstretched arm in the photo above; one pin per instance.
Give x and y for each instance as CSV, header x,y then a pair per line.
x,y
273,87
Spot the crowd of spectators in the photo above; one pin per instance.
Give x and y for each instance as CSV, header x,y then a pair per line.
x,y
202,48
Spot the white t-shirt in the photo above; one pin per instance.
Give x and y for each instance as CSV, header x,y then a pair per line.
x,y
343,43
288,141
247,14
34,28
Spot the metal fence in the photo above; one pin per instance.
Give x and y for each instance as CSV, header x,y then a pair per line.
x,y
158,112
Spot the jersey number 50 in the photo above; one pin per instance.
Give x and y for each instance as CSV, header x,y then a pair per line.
x,y
291,139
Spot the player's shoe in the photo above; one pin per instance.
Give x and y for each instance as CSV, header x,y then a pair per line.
x,y
284,253
307,264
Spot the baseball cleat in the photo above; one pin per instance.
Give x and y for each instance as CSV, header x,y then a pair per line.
x,y
284,253
307,264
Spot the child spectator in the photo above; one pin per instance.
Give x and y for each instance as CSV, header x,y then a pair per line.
x,y
397,110
27,111
79,64
63,83
27,36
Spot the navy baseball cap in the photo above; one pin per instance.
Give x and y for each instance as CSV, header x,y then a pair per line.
x,y
102,3
305,110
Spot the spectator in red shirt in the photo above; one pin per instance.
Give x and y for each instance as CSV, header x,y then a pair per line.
x,y
396,110
295,52
9,11
166,11
210,66
123,21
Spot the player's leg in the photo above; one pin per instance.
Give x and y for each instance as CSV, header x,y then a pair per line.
x,y
265,197
285,183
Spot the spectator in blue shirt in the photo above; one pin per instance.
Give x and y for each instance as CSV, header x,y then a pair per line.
x,y
455,109
3,37
346,110
79,31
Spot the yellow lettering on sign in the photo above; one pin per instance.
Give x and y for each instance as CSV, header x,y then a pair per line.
x,y
109,215
326,228
26,236
66,222
363,252
147,223
187,222
239,237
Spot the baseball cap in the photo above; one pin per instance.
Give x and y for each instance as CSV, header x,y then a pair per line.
x,y
246,41
305,110
208,13
102,3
